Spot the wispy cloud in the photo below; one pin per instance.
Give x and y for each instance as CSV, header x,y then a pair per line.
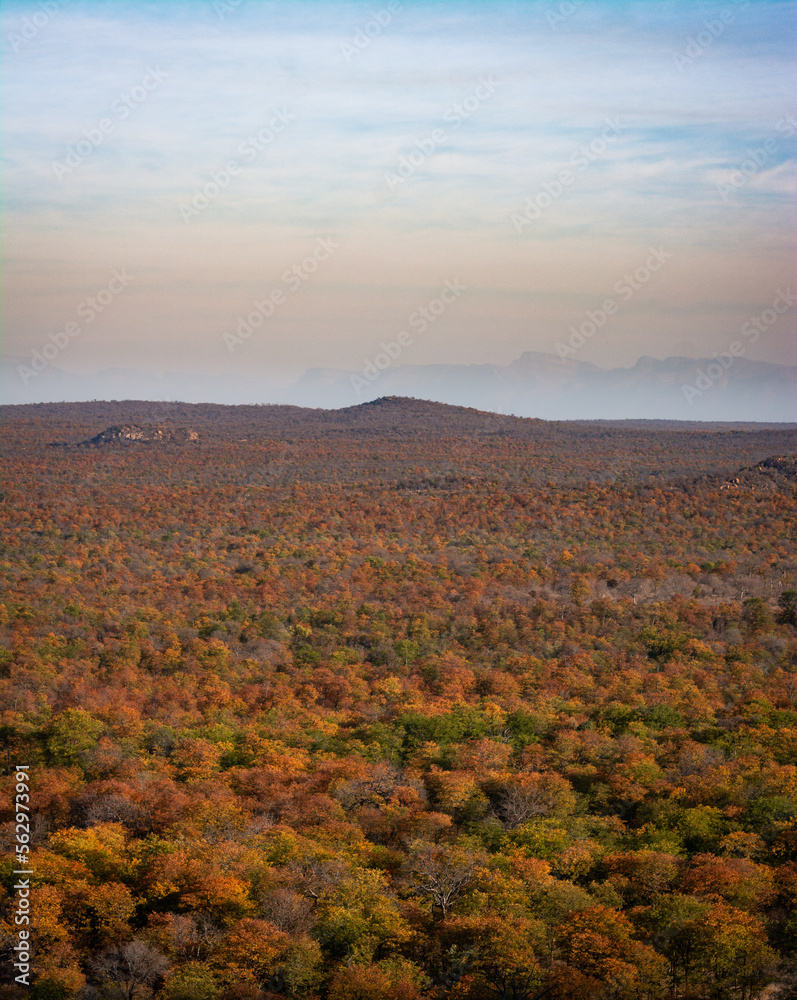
x,y
685,130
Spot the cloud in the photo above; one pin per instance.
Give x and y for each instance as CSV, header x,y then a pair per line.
x,y
684,131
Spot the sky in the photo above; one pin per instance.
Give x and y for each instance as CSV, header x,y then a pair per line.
x,y
252,189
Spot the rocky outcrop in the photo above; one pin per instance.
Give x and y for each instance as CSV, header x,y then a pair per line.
x,y
771,473
141,433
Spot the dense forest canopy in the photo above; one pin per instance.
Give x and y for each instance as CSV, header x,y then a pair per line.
x,y
400,701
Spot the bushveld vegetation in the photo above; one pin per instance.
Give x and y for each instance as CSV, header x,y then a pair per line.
x,y
404,701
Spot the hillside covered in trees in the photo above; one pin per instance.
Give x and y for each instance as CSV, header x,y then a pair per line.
x,y
400,701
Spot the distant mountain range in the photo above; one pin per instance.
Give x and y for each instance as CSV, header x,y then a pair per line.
x,y
535,385
544,385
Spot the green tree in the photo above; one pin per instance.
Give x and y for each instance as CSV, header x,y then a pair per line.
x,y
71,734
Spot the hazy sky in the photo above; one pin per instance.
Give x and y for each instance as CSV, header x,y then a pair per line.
x,y
168,165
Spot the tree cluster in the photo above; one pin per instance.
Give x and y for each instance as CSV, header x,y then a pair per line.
x,y
385,714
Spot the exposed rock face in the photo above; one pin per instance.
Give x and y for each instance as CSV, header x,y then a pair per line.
x,y
786,465
146,433
771,473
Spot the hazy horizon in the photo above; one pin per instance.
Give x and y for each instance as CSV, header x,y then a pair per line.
x,y
248,190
